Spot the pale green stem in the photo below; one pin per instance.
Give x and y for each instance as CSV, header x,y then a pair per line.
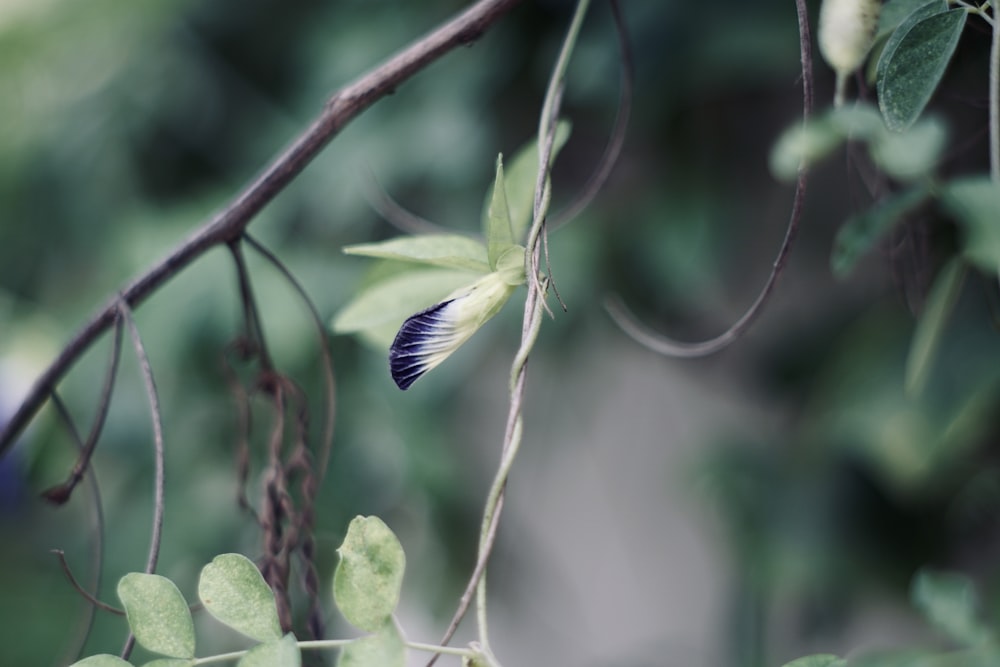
x,y
840,92
533,309
434,648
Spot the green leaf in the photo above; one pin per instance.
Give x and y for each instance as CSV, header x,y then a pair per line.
x,y
948,601
861,232
927,335
449,251
901,658
283,652
974,203
234,592
913,62
499,237
157,614
169,662
380,309
369,575
816,139
102,660
896,11
383,649
521,175
821,660
913,154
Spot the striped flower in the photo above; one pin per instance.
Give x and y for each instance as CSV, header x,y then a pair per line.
x,y
429,337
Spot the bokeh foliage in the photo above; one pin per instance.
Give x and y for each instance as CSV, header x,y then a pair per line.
x,y
125,125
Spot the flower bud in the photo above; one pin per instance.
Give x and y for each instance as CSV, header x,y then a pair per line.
x,y
846,34
429,337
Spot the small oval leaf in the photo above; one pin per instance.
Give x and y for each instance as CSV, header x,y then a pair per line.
x,y
369,575
449,251
382,649
948,601
102,660
157,614
234,592
170,662
283,652
820,660
913,62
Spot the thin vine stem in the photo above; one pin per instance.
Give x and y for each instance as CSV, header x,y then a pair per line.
x,y
666,346
534,307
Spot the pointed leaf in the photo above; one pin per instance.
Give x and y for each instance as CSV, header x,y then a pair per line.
x,y
449,251
948,601
521,174
383,649
927,335
974,203
102,660
234,592
369,575
913,62
499,236
386,304
157,614
283,652
822,660
861,232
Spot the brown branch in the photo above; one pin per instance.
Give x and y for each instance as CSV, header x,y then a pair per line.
x,y
61,493
61,555
229,224
326,439
672,348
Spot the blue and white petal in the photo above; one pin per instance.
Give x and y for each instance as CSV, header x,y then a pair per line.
x,y
429,337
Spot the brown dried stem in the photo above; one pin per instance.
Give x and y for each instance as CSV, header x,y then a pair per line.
x,y
229,224
672,348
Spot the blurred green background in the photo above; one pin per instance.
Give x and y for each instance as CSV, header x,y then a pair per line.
x,y
741,510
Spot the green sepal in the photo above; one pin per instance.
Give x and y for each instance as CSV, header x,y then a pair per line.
x,y
521,175
499,237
